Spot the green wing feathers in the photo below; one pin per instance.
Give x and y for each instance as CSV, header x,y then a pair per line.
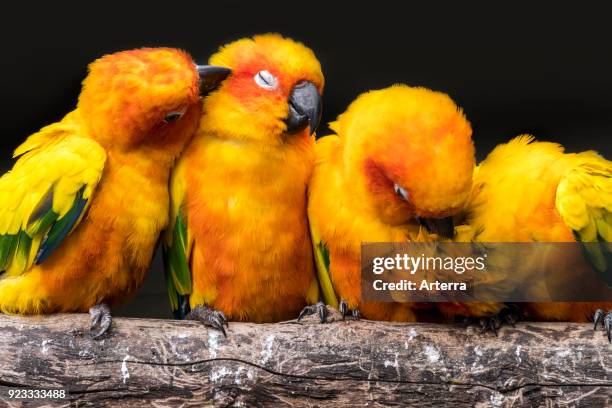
x,y
177,248
176,258
44,196
321,255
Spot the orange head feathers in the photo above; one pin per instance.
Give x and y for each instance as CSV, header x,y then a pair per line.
x,y
410,152
141,97
272,94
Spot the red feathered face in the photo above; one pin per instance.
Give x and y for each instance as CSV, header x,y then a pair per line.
x,y
429,179
273,94
412,149
141,96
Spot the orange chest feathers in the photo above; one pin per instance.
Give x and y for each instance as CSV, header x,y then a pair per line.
x,y
246,211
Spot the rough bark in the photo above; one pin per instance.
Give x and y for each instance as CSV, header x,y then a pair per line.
x,y
173,363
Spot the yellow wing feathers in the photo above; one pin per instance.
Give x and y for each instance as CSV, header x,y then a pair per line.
x,y
560,194
584,198
584,201
46,191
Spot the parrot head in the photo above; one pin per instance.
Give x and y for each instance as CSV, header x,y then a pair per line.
x,y
410,155
145,97
273,94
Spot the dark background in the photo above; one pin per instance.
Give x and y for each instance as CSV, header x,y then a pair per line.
x,y
541,68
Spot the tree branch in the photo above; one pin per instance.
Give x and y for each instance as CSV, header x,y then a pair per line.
x,y
144,361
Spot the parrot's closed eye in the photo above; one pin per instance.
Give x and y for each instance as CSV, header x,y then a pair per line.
x,y
266,80
173,116
400,191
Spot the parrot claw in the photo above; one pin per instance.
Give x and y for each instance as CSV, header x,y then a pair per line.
x,y
507,316
100,315
344,310
210,317
606,322
598,317
491,324
320,309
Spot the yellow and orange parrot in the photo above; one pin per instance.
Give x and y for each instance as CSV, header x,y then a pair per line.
x,y
529,191
238,247
401,158
83,206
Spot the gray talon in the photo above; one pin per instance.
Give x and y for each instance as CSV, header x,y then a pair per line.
x,y
306,311
606,322
598,317
489,324
343,308
210,317
509,315
608,325
95,318
345,311
221,317
320,308
100,315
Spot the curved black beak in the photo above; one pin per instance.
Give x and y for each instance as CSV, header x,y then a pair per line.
x,y
210,77
304,108
444,227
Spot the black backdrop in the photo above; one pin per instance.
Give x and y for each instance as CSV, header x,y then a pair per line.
x,y
541,68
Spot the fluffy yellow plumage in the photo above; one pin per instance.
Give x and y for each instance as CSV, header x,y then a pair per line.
x,y
77,163
528,191
81,210
239,241
399,153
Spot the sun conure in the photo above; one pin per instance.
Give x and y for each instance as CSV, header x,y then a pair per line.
x,y
398,169
238,247
82,208
530,191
